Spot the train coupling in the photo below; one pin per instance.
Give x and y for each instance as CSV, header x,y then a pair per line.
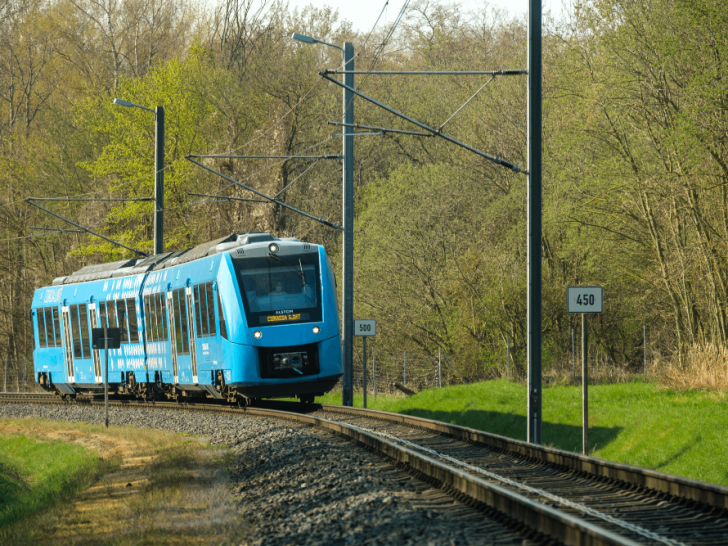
x,y
290,361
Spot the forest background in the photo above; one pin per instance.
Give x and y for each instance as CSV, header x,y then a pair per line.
x,y
635,162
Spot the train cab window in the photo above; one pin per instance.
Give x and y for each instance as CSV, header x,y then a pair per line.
x,y
85,332
221,317
57,325
49,327
41,328
132,316
280,289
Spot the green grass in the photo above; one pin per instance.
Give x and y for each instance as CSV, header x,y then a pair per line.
x,y
682,433
35,474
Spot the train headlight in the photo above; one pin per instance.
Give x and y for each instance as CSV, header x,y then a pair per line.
x,y
316,329
273,248
257,334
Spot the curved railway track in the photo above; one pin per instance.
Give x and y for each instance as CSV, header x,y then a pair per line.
x,y
558,495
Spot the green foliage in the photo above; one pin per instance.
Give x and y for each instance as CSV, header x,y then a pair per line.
x,y
125,164
36,474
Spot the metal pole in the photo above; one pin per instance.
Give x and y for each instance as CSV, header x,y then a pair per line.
x,y
405,368
573,356
348,220
534,222
584,387
158,180
5,385
106,373
439,367
25,365
508,359
644,341
364,368
374,374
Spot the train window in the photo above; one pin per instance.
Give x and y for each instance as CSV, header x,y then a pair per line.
x,y
183,319
76,332
121,314
153,318
133,326
85,333
49,327
102,314
41,328
57,326
210,298
161,316
221,317
201,321
149,320
180,321
155,302
111,305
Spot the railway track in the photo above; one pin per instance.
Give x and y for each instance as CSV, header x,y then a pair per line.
x,y
558,495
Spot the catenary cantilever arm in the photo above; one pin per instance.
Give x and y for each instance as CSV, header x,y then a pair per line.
x,y
435,132
264,196
30,202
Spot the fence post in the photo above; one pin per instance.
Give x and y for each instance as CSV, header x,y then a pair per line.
x,y
439,367
405,368
644,341
508,360
573,356
25,365
374,374
5,385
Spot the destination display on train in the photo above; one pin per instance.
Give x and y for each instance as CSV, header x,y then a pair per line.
x,y
289,317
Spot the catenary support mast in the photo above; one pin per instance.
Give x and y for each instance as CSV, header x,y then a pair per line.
x,y
534,221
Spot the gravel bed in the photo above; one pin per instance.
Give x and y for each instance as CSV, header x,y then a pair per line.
x,y
299,485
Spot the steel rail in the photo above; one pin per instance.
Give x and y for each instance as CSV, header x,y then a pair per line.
x,y
706,493
549,521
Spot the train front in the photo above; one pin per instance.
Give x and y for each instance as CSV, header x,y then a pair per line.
x,y
287,342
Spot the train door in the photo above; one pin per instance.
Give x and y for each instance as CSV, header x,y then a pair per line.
x,y
68,344
172,337
93,315
181,331
191,329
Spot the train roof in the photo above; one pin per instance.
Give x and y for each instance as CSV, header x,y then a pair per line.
x,y
125,268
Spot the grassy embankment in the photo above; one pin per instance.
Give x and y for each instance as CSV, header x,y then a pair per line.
x,y
77,483
681,433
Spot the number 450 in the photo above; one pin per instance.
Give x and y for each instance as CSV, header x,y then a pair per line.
x,y
586,299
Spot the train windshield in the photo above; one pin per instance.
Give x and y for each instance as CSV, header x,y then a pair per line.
x,y
280,289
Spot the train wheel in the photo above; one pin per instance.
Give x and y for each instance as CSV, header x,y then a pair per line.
x,y
308,399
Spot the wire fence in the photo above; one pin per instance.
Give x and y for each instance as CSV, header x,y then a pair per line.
x,y
18,376
416,371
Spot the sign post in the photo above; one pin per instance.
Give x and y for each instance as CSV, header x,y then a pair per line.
x,y
106,338
365,329
585,300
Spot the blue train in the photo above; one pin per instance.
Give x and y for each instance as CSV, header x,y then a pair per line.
x,y
243,317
